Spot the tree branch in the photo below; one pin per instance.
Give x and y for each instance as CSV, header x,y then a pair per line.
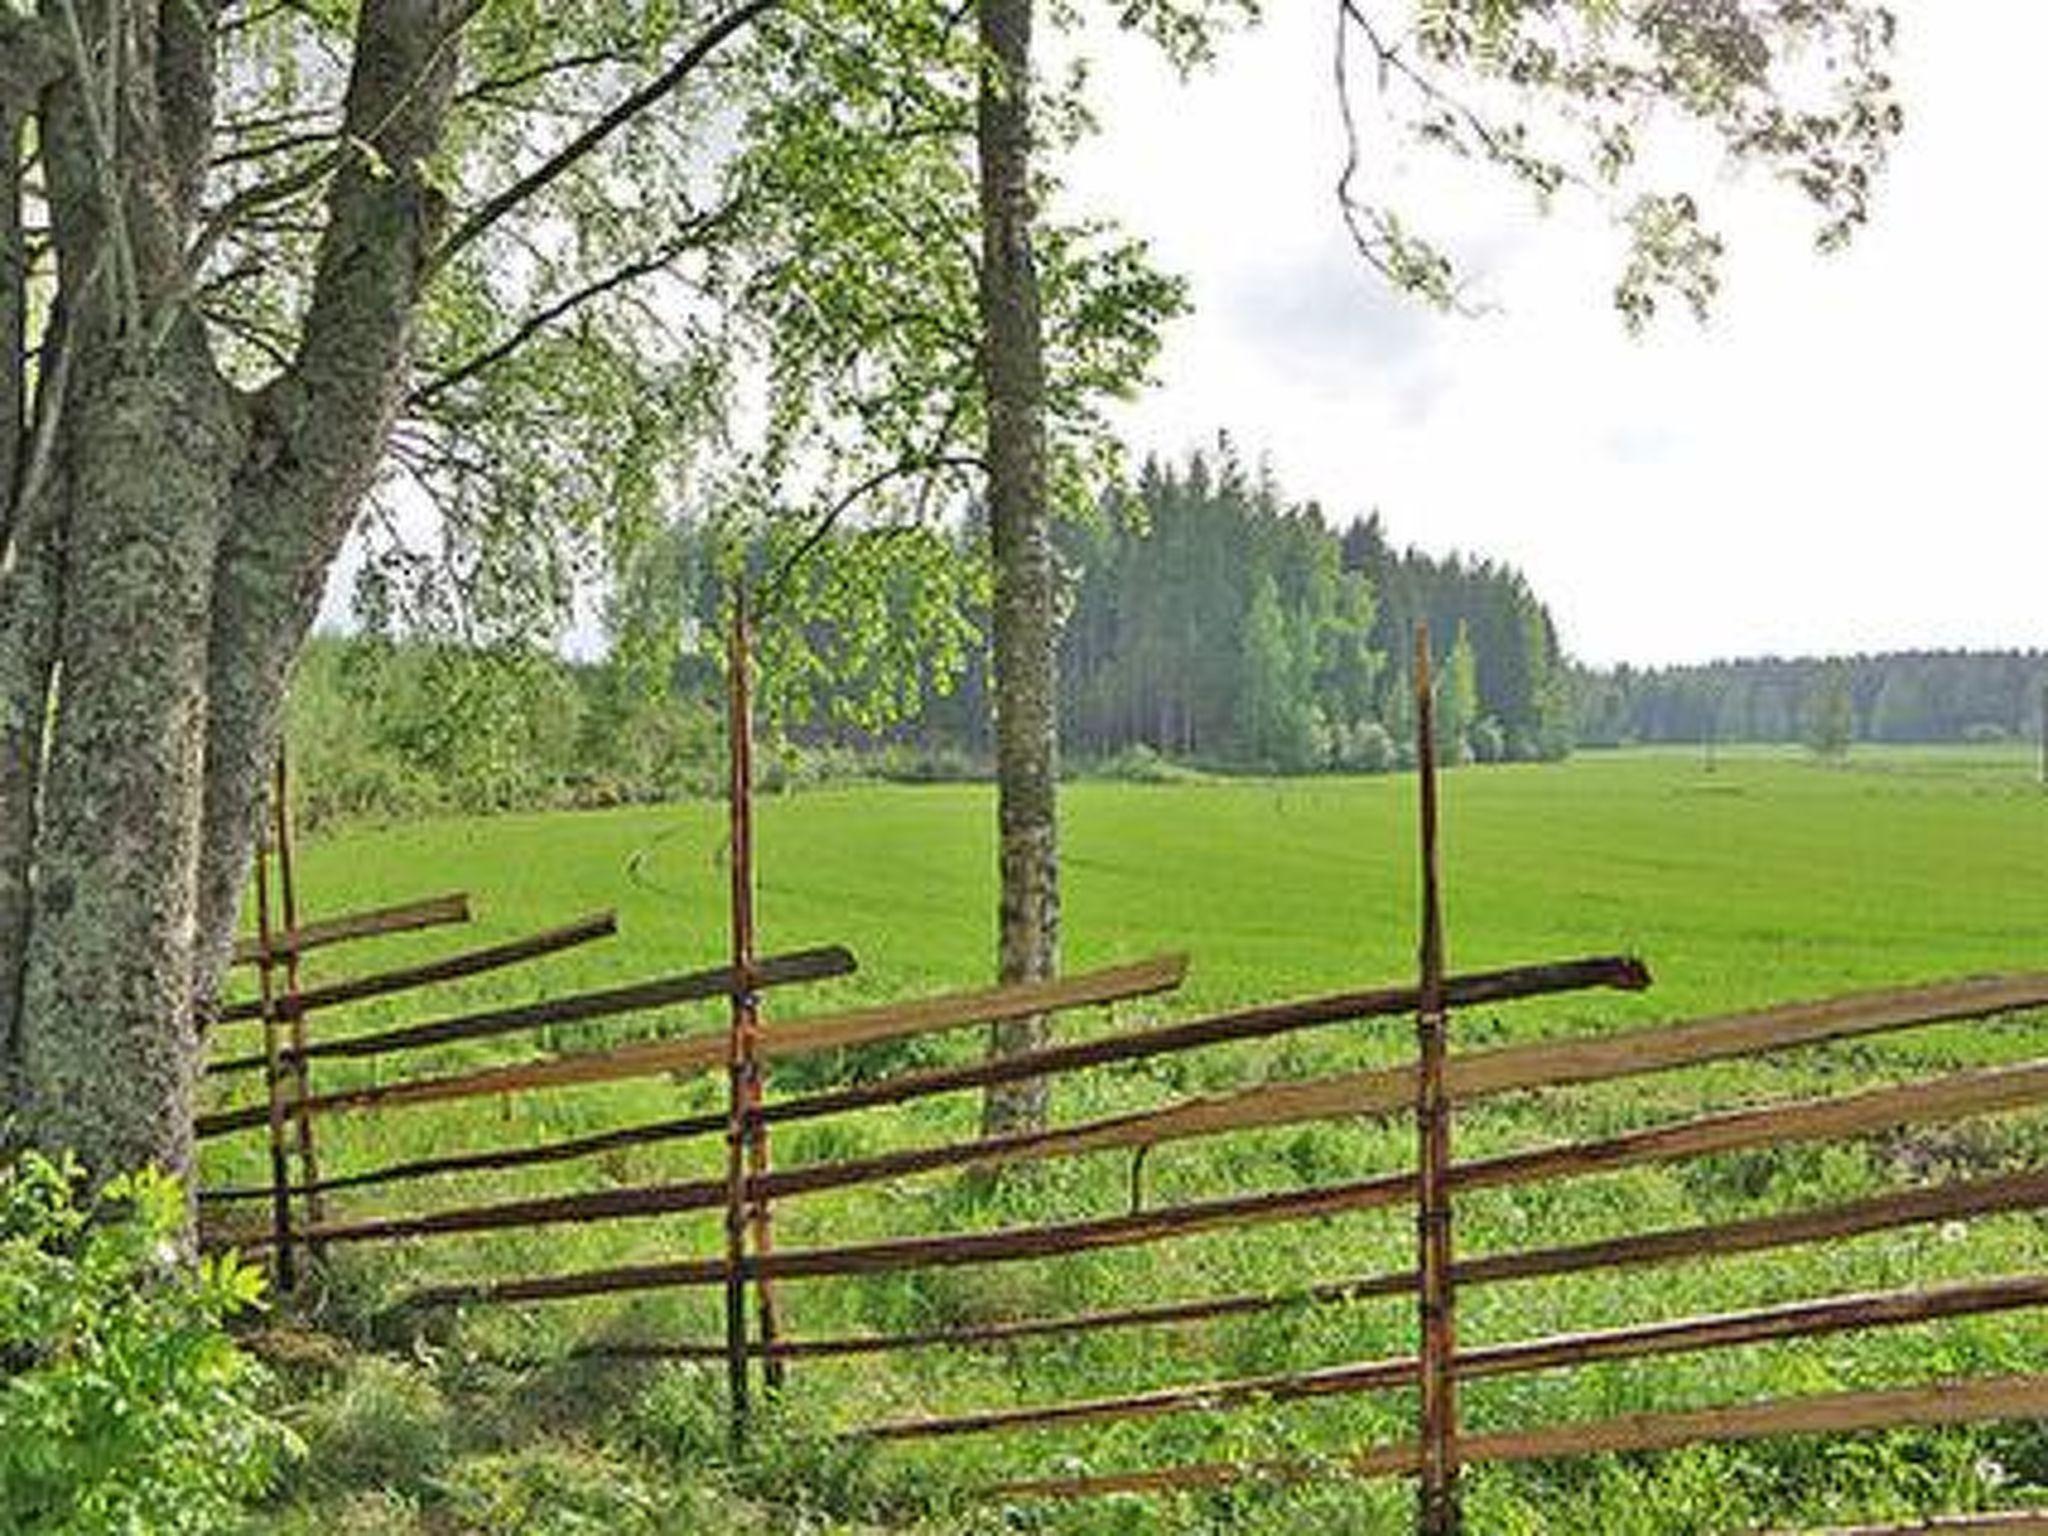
x,y
501,85
828,521
257,338
361,136
688,238
185,94
555,166
13,315
241,153
262,194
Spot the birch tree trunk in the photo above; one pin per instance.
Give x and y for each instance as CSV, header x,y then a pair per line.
x,y
1013,373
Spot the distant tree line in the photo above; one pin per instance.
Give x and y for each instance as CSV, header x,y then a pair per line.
x,y
1213,622
1912,696
1208,621
381,728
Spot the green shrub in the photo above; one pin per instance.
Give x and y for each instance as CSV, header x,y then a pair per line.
x,y
1142,764
906,763
125,1406
1367,748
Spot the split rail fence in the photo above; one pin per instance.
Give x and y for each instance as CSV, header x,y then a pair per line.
x,y
1431,1089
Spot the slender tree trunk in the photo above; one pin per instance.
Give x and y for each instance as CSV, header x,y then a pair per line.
x,y
1013,364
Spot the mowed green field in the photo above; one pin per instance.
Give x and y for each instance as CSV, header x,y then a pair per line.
x,y
1769,878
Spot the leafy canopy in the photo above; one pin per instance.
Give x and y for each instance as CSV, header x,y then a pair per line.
x,y
1612,99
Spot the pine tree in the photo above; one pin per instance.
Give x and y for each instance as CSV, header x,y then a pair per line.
x,y
1831,714
1457,702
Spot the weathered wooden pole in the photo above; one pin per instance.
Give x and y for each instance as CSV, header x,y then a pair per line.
x,y
284,1268
746,999
294,1009
738,1048
747,1133
1437,1495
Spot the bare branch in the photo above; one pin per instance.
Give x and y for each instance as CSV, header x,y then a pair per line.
x,y
260,195
272,344
240,127
242,153
53,378
1380,243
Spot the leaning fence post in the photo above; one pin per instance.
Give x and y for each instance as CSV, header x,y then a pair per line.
x,y
294,1005
1437,1510
273,1075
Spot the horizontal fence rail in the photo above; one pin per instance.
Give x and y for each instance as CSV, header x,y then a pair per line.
x,y
407,917
1954,1096
432,973
701,1053
1965,1401
1956,1201
821,964
1557,1063
1792,1320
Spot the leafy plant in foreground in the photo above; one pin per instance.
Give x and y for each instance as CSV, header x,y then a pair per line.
x,y
125,1406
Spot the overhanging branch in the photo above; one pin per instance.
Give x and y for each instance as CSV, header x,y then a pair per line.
x,y
563,160
903,469
691,235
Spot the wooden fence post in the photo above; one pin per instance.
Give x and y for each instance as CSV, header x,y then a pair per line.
x,y
747,1148
294,1004
283,1267
1437,1494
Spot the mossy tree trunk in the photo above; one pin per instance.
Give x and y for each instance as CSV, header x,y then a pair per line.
x,y
1013,372
165,537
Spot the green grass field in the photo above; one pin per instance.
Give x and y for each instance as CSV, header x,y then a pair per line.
x,y
1768,878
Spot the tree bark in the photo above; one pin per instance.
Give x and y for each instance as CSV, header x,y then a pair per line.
x,y
319,436
1024,639
28,647
163,564
27,578
108,1060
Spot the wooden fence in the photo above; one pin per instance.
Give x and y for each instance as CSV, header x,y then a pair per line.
x,y
1432,1089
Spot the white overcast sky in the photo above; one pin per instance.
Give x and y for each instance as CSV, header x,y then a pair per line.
x,y
1846,458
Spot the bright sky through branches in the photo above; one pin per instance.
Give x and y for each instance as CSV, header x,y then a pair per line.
x,y
1846,458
